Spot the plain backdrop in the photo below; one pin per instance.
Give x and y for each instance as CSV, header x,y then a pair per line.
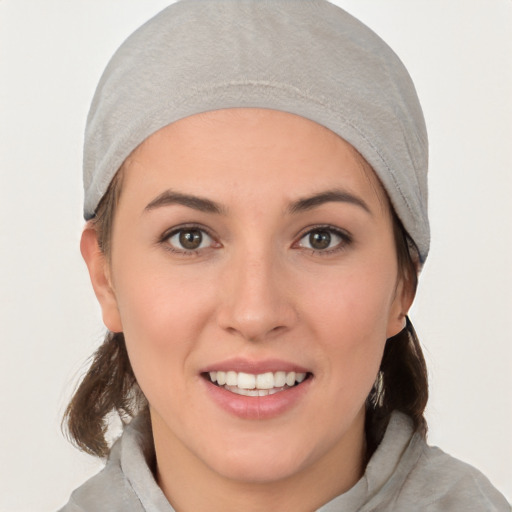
x,y
52,53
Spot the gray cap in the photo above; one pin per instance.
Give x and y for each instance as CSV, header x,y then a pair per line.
x,y
305,57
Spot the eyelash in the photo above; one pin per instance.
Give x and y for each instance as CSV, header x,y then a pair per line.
x,y
168,235
345,240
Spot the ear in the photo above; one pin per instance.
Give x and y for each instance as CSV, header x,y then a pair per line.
x,y
404,296
99,272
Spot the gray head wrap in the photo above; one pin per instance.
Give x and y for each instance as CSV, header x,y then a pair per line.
x,y
306,57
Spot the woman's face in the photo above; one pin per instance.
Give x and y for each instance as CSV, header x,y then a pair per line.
x,y
247,243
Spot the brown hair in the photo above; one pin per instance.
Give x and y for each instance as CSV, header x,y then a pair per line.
x,y
402,380
110,386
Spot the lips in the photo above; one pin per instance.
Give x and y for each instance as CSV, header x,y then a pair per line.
x,y
252,390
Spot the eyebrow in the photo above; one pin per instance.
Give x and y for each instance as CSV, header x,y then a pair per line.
x,y
327,196
170,197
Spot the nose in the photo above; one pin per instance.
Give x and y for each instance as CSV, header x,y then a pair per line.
x,y
256,302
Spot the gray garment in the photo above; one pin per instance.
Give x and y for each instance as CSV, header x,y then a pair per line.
x,y
306,57
404,475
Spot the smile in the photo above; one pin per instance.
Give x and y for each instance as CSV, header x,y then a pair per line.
x,y
262,391
262,384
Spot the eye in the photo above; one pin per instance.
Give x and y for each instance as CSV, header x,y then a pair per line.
x,y
324,239
189,239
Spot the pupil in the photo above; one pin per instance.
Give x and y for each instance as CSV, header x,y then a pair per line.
x,y
320,239
191,239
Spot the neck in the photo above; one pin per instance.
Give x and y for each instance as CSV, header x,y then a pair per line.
x,y
189,484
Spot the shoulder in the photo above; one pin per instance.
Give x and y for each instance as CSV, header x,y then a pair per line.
x,y
440,482
107,491
126,483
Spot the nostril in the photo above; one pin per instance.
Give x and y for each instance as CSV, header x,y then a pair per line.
x,y
255,307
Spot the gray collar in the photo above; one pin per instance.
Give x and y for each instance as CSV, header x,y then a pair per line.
x,y
383,471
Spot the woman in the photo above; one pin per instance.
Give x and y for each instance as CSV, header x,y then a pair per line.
x,y
255,177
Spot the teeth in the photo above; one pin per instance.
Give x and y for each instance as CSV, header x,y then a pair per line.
x,y
279,379
242,391
265,381
261,384
231,379
252,392
290,378
247,381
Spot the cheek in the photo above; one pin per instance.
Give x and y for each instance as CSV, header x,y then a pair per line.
x,y
349,317
163,313
355,302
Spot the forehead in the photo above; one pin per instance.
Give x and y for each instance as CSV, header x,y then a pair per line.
x,y
255,147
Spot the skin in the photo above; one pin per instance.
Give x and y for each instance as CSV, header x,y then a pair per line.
x,y
255,289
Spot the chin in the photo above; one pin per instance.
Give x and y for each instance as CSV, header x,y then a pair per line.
x,y
258,467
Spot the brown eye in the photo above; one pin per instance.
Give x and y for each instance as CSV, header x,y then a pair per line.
x,y
319,240
324,240
189,239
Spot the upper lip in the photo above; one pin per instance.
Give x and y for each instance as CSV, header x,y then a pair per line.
x,y
255,367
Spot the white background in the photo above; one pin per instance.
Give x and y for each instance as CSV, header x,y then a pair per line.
x,y
52,52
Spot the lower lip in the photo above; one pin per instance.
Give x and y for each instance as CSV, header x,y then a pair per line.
x,y
258,407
